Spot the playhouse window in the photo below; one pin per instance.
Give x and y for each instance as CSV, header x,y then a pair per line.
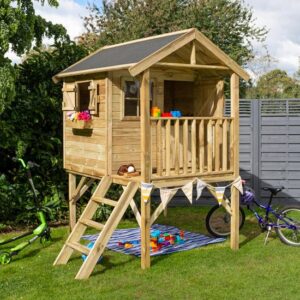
x,y
131,90
86,96
83,96
131,98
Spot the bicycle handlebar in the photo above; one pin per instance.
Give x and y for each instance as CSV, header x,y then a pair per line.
x,y
29,165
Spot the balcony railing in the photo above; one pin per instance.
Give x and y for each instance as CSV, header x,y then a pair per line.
x,y
191,146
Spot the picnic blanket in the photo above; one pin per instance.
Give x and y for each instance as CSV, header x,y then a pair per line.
x,y
192,240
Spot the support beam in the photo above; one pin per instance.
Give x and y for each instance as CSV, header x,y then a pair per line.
x,y
234,90
193,53
145,167
72,204
191,66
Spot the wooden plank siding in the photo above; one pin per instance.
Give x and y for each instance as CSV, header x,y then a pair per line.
x,y
85,150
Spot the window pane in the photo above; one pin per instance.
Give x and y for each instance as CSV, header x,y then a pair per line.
x,y
131,107
132,89
84,95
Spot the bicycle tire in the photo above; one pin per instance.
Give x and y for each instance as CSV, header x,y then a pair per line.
x,y
218,221
289,236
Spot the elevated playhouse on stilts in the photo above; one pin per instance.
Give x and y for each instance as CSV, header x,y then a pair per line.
x,y
121,85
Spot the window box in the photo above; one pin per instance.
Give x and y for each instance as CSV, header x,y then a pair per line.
x,y
80,120
80,124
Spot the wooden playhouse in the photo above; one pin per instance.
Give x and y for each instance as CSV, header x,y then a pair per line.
x,y
119,84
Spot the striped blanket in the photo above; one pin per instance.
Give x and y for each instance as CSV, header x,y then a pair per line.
x,y
192,240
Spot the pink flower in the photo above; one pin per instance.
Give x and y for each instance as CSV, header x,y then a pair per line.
x,y
84,115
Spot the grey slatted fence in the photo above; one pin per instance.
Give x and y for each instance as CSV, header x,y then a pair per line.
x,y
270,145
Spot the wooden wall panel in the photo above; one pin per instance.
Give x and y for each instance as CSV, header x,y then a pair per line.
x,y
85,150
125,134
209,98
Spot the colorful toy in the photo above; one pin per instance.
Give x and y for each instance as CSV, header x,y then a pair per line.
x,y
166,115
128,244
155,112
176,113
157,240
90,246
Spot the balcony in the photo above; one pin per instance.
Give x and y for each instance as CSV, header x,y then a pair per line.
x,y
192,147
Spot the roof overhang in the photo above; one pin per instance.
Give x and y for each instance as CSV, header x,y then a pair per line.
x,y
191,35
154,59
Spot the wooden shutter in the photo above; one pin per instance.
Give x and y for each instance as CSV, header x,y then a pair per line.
x,y
93,105
69,96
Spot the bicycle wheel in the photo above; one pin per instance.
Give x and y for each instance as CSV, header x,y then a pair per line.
x,y
218,221
288,228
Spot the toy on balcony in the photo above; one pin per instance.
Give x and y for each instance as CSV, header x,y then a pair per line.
x,y
166,115
172,114
155,112
176,113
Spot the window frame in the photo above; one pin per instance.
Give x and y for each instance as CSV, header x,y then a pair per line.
x,y
123,117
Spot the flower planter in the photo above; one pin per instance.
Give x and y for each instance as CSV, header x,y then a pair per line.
x,y
80,124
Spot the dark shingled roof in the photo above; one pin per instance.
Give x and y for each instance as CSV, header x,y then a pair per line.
x,y
123,54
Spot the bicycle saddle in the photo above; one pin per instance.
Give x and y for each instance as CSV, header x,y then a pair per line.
x,y
273,190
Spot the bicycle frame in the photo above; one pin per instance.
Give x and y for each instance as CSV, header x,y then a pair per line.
x,y
264,220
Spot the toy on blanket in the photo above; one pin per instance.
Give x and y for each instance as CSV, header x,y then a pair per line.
x,y
128,244
159,240
90,246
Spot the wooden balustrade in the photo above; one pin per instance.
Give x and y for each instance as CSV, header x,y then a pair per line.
x,y
192,146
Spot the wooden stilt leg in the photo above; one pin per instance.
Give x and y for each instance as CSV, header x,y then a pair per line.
x,y
72,203
146,168
145,233
235,198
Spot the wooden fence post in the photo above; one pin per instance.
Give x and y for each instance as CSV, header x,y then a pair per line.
x,y
234,91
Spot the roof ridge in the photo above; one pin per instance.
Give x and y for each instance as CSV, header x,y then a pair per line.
x,y
147,38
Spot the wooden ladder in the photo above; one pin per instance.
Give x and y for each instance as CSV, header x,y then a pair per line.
x,y
106,230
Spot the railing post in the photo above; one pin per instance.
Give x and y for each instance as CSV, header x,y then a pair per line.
x,y
159,148
234,90
145,166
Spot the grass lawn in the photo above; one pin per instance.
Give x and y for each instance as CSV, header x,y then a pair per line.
x,y
213,272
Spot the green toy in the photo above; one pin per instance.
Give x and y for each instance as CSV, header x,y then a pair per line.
x,y
41,232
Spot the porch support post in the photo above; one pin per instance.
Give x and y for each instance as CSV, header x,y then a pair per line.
x,y
72,203
145,166
234,91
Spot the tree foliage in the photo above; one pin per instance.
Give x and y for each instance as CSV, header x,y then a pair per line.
x,y
20,29
31,127
275,84
229,24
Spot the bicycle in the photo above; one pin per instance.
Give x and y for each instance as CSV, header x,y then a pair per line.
x,y
286,224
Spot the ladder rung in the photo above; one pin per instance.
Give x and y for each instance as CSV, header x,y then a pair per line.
x,y
92,224
78,247
105,201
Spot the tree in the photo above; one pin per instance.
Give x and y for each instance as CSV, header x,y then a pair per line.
x,y
31,126
20,28
229,24
275,84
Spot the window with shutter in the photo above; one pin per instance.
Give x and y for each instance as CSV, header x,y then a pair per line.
x,y
94,93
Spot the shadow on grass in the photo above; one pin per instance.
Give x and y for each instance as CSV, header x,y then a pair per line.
x,y
108,265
